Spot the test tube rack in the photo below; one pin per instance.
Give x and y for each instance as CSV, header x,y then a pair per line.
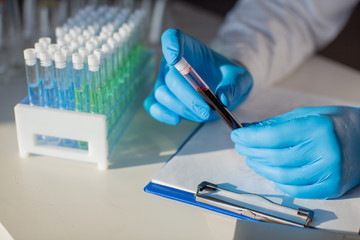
x,y
35,122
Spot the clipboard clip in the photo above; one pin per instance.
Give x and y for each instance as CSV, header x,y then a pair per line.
x,y
252,205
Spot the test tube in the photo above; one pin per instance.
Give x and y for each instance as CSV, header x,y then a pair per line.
x,y
95,85
47,77
69,69
82,91
33,83
106,50
193,78
39,47
66,100
103,86
50,94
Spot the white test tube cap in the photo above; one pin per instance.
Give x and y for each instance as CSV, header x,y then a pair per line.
x,y
94,39
60,42
112,43
105,48
39,47
68,38
183,66
93,63
90,46
78,61
98,53
45,40
84,53
53,48
66,51
117,37
86,34
60,60
59,32
74,45
73,33
45,59
91,29
123,33
30,56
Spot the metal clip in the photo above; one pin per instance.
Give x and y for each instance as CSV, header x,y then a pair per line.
x,y
252,205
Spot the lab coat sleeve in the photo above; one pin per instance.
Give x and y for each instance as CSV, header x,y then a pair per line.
x,y
272,37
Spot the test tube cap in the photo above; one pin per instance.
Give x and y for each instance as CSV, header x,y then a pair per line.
x,y
112,43
66,51
60,60
68,38
60,42
83,52
74,45
30,56
78,61
98,53
105,48
93,63
90,46
45,40
45,59
81,39
182,66
59,32
39,47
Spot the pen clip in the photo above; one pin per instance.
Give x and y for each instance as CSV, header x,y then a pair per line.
x,y
252,205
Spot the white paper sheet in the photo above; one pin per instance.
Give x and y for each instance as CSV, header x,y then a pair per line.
x,y
210,156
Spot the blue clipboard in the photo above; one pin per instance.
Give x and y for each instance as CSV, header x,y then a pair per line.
x,y
189,198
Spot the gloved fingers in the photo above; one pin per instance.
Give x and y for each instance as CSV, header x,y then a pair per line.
x,y
311,173
296,156
167,99
320,190
277,135
183,91
299,113
160,112
235,85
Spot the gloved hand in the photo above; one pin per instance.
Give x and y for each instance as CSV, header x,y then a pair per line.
x,y
173,98
310,152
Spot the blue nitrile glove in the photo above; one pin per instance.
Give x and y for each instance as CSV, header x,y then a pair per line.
x,y
310,152
173,98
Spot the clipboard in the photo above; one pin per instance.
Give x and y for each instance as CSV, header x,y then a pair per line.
x,y
205,198
205,158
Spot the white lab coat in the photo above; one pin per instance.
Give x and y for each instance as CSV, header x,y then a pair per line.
x,y
272,37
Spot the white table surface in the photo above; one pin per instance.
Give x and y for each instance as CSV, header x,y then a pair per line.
x,y
48,198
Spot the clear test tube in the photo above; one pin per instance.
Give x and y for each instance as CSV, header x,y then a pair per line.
x,y
82,91
69,73
104,92
121,57
48,80
32,79
84,54
106,50
95,85
115,56
39,47
66,100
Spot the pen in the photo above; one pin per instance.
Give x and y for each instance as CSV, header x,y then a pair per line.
x,y
205,92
